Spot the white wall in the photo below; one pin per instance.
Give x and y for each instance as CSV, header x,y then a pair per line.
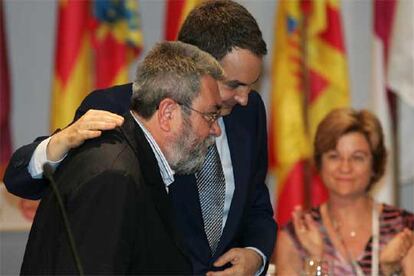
x,y
31,30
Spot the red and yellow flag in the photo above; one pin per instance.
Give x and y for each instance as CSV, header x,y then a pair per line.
x,y
96,42
175,13
309,78
117,40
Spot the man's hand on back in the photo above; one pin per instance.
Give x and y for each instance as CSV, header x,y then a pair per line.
x,y
89,126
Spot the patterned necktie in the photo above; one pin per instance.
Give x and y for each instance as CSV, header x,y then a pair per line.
x,y
211,189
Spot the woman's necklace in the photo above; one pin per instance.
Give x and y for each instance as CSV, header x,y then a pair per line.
x,y
356,269
337,226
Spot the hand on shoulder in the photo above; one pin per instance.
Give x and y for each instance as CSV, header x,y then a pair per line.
x,y
89,126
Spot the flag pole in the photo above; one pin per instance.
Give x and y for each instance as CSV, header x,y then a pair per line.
x,y
305,8
393,106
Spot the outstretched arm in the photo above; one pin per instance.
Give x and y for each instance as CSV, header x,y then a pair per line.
x,y
23,176
19,179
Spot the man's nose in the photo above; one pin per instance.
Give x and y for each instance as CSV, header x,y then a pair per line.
x,y
242,97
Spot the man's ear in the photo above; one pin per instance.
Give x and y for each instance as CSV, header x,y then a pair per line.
x,y
166,113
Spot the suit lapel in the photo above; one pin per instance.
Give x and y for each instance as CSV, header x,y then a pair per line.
x,y
150,170
239,139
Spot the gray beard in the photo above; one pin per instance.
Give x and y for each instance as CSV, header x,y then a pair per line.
x,y
187,153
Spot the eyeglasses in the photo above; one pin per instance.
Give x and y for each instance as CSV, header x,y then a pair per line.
x,y
210,117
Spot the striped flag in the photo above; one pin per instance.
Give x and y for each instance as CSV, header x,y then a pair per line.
x,y
5,140
401,52
73,64
176,12
400,79
96,41
309,79
384,12
117,40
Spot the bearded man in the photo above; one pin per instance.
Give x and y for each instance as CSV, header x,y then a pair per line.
x,y
115,188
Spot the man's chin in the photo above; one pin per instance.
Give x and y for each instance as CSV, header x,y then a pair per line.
x,y
189,169
195,160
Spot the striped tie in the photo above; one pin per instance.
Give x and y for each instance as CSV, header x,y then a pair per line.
x,y
211,189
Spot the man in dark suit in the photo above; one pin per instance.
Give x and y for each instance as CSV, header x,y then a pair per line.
x,y
115,188
228,31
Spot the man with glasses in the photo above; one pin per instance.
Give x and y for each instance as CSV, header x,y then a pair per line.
x,y
115,188
210,117
246,236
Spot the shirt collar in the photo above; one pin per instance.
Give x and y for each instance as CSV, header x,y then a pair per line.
x,y
166,172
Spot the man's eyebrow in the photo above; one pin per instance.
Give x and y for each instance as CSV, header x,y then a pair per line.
x,y
239,83
235,83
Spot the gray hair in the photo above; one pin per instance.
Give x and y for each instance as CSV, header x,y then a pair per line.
x,y
171,70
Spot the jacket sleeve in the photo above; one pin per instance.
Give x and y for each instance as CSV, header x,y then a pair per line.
x,y
18,180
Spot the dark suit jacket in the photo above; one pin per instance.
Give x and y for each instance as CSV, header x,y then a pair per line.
x,y
250,220
118,208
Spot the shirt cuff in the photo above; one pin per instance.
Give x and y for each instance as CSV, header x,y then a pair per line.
x,y
39,158
264,259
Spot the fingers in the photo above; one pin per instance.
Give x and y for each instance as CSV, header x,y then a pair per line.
x,y
89,134
227,272
74,136
98,125
99,120
398,247
409,235
307,232
298,220
406,241
302,221
228,257
310,223
244,261
90,126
